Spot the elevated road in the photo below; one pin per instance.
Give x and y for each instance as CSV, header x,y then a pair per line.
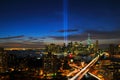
x,y
84,70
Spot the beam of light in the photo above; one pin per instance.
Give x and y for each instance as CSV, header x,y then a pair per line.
x,y
65,19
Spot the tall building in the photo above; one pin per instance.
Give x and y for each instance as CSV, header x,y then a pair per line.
x,y
1,52
89,40
3,60
111,49
96,46
49,64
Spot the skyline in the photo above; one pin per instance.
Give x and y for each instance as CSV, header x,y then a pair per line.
x,y
34,23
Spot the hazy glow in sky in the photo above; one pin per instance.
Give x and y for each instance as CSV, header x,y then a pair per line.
x,y
33,23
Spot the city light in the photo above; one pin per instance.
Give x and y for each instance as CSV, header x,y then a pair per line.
x,y
59,40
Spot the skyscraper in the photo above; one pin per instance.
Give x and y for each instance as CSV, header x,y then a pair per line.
x,y
88,40
96,46
3,60
49,64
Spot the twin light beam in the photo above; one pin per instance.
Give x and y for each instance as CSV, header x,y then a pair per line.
x,y
65,20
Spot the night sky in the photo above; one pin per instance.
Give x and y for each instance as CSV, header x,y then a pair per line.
x,y
35,23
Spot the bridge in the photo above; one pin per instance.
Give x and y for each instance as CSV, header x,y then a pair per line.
x,y
80,72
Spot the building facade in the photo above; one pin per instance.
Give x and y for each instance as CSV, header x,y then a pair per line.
x,y
3,61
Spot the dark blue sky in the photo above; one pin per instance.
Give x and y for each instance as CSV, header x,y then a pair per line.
x,y
26,23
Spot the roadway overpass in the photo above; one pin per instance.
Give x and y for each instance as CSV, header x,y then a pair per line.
x,y
79,73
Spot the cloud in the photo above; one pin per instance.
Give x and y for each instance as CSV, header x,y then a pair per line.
x,y
57,37
32,38
94,35
72,37
22,41
104,34
104,37
69,30
13,37
42,37
10,44
34,44
23,44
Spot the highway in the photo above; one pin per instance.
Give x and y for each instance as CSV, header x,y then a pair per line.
x,y
79,74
